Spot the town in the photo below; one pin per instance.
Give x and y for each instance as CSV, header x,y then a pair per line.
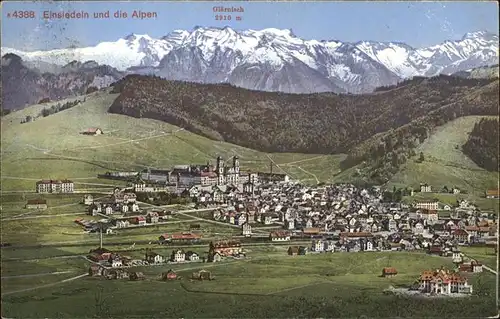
x,y
263,160
271,209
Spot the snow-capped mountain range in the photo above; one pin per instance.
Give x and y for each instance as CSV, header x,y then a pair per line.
x,y
277,60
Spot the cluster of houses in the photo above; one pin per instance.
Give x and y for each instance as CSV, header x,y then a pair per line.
x,y
223,249
125,210
336,209
184,237
98,270
218,251
107,259
366,242
426,188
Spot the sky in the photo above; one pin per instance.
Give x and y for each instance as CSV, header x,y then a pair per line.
x,y
418,24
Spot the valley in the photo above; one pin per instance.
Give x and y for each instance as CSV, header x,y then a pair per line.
x,y
216,163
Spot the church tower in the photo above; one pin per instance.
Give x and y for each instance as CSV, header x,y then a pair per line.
x,y
236,170
236,164
220,171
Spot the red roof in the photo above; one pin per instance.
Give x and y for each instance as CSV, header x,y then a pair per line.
x,y
390,270
105,256
460,232
186,236
311,230
444,276
92,129
181,236
471,228
226,244
465,267
208,174
279,234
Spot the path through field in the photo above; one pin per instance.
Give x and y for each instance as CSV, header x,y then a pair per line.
x,y
41,216
304,160
128,141
315,177
47,285
297,287
278,166
39,275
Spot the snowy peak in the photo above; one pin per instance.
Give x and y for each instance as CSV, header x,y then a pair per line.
x,y
276,33
480,34
215,54
133,37
176,36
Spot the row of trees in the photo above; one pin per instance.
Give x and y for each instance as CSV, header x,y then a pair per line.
x,y
396,195
59,107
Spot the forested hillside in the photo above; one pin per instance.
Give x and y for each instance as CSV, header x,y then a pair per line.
x,y
482,145
380,129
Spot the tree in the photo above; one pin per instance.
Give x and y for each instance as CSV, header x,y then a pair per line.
x,y
421,158
46,112
398,195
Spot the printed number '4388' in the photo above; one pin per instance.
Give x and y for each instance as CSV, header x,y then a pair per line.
x,y
23,14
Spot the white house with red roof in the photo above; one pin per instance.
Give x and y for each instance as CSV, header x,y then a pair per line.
x,y
444,282
93,131
140,220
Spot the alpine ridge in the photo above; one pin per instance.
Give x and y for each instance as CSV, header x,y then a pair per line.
x,y
277,60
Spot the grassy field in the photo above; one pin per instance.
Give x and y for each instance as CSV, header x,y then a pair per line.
x,y
278,286
59,229
13,205
52,147
445,164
